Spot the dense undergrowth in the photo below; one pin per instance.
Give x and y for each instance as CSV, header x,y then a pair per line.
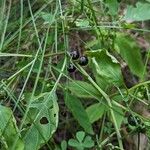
x,y
74,75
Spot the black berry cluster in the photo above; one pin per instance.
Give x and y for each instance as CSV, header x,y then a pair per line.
x,y
83,60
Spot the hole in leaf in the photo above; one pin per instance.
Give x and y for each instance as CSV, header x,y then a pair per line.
x,y
44,120
54,115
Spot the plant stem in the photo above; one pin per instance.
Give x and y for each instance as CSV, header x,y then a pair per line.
x,y
109,104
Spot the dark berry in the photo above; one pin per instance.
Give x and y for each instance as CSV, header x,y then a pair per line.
x,y
71,68
83,61
74,55
133,120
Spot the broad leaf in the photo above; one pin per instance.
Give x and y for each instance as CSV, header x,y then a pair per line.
x,y
106,68
9,130
95,111
43,116
80,136
93,44
63,145
113,6
79,113
139,13
74,143
82,89
48,17
88,142
130,52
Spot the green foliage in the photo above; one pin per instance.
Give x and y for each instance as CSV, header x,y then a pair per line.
x,y
79,113
63,145
37,85
113,6
130,52
9,130
82,89
82,23
118,112
147,124
43,117
139,13
106,68
81,142
119,115
48,17
95,111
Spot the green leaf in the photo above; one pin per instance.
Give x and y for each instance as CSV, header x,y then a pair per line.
x,y
82,23
63,145
130,52
113,6
139,13
79,113
118,111
93,44
73,143
88,142
106,68
119,115
80,136
48,17
44,119
82,89
95,111
83,142
9,130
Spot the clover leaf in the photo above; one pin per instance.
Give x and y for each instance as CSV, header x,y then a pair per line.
x,y
81,142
